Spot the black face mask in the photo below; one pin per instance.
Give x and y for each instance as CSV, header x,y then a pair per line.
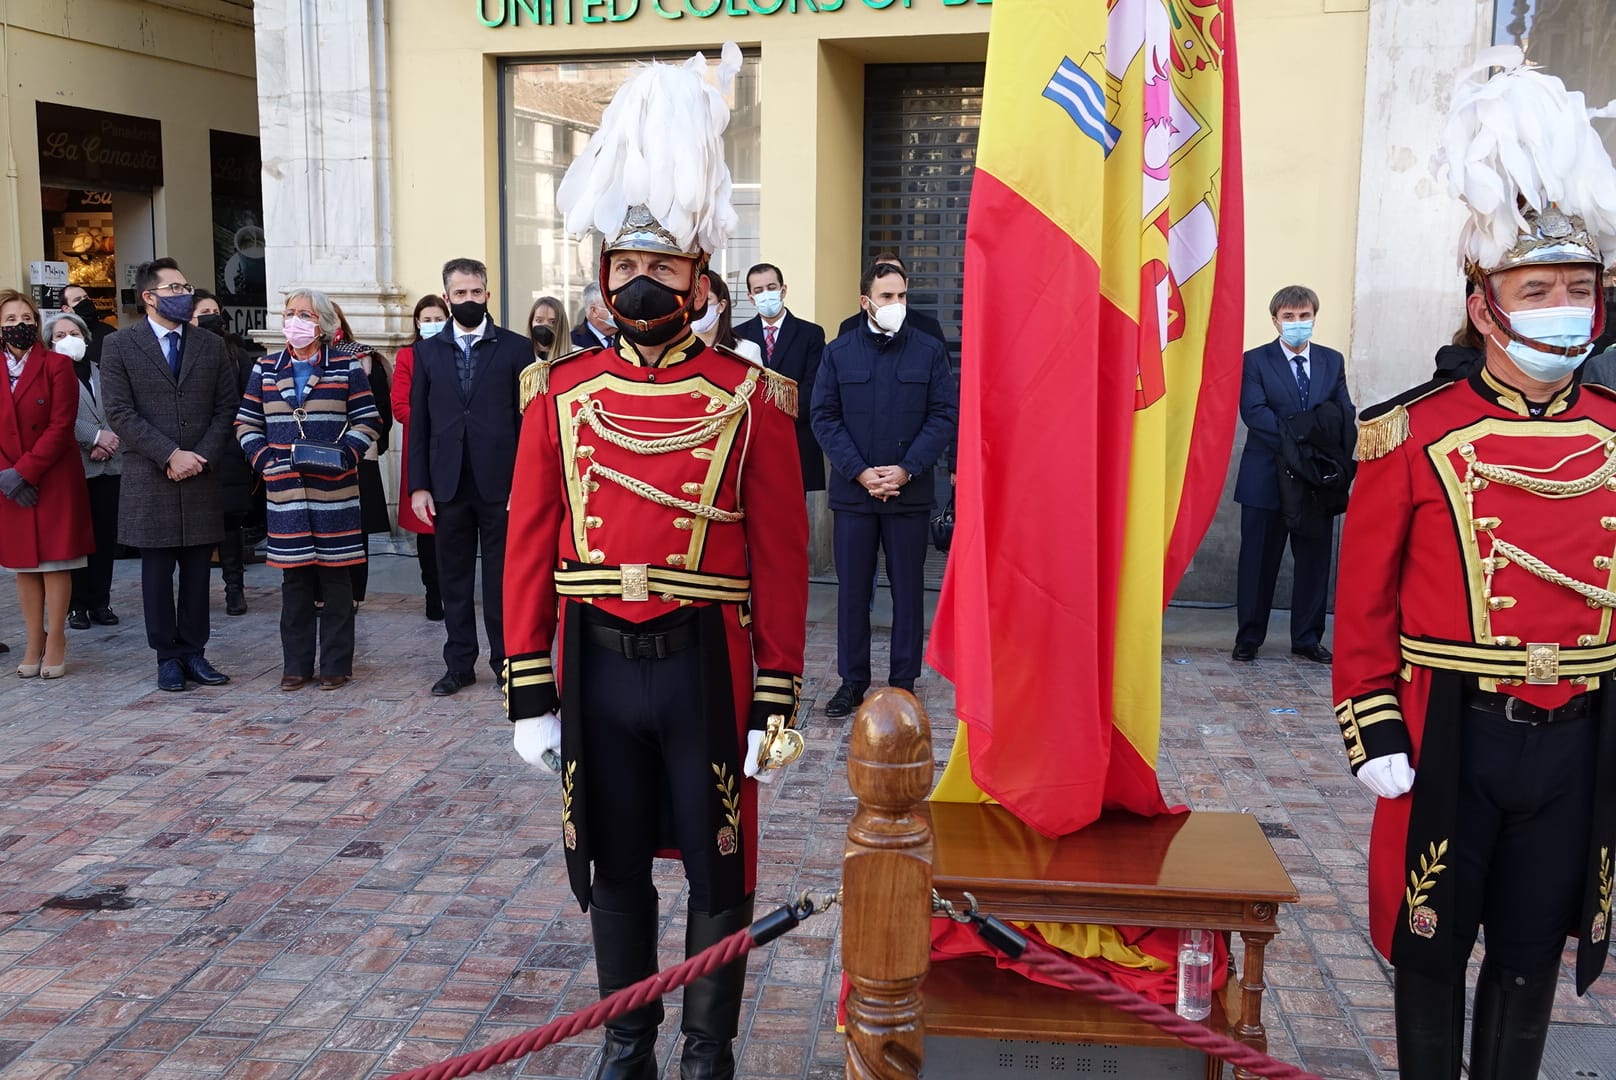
x,y
644,300
85,309
469,313
214,324
544,336
20,336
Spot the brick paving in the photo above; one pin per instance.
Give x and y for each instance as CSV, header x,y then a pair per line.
x,y
353,883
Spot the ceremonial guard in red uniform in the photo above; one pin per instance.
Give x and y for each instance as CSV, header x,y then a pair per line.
x,y
1474,649
658,523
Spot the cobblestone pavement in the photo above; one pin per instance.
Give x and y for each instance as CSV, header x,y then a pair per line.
x,y
352,883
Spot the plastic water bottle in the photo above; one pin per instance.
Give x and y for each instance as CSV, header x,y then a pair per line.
x,y
1195,974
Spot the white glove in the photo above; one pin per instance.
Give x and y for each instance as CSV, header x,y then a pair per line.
x,y
754,746
1388,776
533,735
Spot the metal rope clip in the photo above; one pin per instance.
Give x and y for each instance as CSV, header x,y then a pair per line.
x,y
997,933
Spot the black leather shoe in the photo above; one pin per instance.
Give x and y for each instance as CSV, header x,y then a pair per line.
x,y
198,668
171,676
625,953
453,682
78,619
434,607
235,600
713,1003
1244,653
103,616
845,700
1316,653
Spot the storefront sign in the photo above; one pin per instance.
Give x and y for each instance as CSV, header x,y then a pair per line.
x,y
496,13
238,230
52,275
85,148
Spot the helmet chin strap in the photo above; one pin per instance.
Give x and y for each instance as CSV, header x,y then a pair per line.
x,y
1484,284
682,313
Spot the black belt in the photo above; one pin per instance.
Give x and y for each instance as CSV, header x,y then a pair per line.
x,y
658,646
1517,711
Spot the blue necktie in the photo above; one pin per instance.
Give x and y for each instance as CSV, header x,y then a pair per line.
x,y
173,338
1302,381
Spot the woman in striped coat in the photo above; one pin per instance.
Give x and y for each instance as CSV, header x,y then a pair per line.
x,y
314,526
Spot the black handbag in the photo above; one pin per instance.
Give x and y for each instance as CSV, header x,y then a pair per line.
x,y
942,526
311,457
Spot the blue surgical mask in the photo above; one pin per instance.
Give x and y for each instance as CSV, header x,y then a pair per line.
x,y
769,304
431,329
1562,327
1296,334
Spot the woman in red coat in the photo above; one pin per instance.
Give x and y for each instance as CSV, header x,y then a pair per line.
x,y
431,316
45,511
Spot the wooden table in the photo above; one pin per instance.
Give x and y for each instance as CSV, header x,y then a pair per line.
x,y
1211,870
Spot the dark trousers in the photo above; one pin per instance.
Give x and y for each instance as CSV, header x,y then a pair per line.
x,y
464,525
335,619
232,550
359,575
1262,545
646,757
1526,798
176,630
857,538
426,554
92,583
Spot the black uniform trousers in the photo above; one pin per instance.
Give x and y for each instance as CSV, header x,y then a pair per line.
x,y
233,549
426,556
464,524
303,626
1262,544
92,582
1526,799
176,629
857,539
649,775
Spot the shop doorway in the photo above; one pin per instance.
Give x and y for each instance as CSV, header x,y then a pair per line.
x,y
920,130
94,233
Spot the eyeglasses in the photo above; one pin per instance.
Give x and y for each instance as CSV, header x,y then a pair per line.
x,y
174,288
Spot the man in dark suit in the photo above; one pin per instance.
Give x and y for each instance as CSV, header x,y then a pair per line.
x,y
914,320
465,416
1285,377
791,346
597,329
885,408
171,397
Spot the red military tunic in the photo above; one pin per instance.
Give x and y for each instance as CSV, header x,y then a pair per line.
x,y
1477,551
642,490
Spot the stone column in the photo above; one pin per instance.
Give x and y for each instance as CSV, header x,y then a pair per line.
x,y
323,103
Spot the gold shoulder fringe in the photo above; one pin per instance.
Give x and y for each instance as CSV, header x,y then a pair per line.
x,y
1383,434
535,381
781,391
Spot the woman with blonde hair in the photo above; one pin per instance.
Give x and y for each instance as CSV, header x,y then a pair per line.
x,y
547,324
45,509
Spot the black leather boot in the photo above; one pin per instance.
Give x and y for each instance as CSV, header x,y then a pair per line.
x,y
713,1004
1511,1023
625,953
1430,1025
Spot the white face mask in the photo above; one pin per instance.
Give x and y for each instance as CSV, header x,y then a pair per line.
x,y
432,329
70,347
708,321
1562,327
890,318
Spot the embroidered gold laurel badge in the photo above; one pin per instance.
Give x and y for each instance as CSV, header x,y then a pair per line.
x,y
1422,919
729,841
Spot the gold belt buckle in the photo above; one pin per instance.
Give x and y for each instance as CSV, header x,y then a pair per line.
x,y
781,745
1542,663
636,581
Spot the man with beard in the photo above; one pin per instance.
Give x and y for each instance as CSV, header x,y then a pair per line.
x,y
658,500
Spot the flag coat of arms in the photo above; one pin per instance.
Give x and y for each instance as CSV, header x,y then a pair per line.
x,y
1099,387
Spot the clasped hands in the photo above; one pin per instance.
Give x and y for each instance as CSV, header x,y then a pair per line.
x,y
106,445
883,481
184,464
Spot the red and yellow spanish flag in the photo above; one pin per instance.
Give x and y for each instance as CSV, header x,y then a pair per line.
x,y
1101,373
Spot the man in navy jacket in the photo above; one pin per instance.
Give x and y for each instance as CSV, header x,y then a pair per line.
x,y
885,407
465,416
1287,376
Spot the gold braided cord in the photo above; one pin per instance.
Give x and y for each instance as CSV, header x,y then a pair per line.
x,y
1540,569
1553,489
660,497
667,444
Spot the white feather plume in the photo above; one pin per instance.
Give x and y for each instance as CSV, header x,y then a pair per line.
x,y
1521,136
661,144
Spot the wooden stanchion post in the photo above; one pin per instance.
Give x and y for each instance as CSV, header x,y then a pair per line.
x,y
886,888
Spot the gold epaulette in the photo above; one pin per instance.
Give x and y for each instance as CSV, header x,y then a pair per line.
x,y
778,390
1384,427
535,378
